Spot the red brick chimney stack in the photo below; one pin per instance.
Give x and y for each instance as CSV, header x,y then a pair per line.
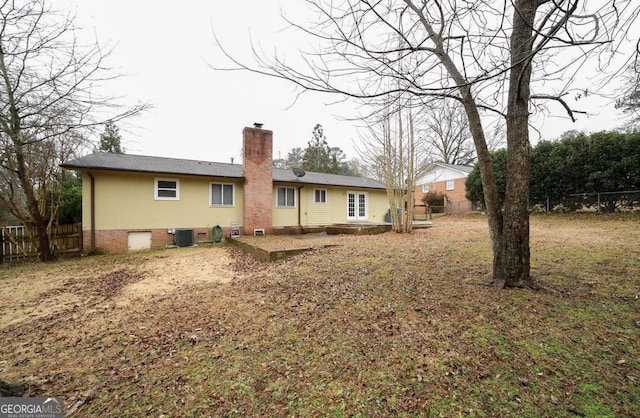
x,y
258,179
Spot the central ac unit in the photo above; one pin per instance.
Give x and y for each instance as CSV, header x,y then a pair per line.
x,y
185,237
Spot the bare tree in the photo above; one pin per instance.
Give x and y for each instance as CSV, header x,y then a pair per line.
x,y
487,55
393,148
47,107
447,133
445,127
629,101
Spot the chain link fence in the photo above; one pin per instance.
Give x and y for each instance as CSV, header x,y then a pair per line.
x,y
607,202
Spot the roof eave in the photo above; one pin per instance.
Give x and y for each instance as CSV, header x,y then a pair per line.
x,y
128,170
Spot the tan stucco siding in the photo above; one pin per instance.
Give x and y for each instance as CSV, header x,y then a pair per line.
x,y
126,201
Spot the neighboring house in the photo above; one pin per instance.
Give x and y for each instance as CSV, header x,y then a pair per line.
x,y
445,179
134,202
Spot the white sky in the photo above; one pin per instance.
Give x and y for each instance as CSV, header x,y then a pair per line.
x,y
199,113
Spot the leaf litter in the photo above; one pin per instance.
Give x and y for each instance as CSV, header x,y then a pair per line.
x,y
388,325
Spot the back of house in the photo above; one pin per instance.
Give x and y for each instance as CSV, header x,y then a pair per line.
x,y
133,202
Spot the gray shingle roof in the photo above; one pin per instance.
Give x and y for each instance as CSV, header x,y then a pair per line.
x,y
161,165
282,175
147,164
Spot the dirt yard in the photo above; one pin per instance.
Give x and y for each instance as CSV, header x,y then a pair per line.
x,y
35,291
385,325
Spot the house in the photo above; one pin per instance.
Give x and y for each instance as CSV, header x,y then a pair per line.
x,y
136,202
448,179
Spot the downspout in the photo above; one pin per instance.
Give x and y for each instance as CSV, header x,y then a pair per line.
x,y
93,212
300,210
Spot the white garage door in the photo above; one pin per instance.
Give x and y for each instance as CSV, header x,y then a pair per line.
x,y
139,241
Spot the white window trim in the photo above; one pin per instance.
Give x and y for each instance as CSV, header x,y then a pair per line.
x,y
452,183
425,188
155,188
325,196
278,205
222,205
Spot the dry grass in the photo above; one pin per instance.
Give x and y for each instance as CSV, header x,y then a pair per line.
x,y
386,325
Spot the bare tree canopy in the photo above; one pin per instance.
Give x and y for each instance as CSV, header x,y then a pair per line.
x,y
506,58
392,149
630,95
371,49
447,133
48,108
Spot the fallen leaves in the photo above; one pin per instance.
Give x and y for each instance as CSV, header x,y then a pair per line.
x,y
106,286
377,326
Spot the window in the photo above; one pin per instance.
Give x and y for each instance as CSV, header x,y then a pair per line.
x,y
450,184
425,188
319,196
167,189
221,194
286,197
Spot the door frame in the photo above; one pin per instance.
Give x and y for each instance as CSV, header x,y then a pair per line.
x,y
360,206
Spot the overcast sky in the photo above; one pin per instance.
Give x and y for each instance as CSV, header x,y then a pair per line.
x,y
165,49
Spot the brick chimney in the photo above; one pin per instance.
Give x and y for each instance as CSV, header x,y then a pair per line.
x,y
258,179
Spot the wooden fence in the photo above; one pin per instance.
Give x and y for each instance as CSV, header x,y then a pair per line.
x,y
15,244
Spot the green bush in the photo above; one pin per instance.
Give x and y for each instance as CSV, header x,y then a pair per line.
x,y
436,201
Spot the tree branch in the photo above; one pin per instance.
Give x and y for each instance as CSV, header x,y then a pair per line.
x,y
560,100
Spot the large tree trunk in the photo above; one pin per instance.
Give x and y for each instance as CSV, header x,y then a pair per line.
x,y
39,222
487,175
489,186
515,270
44,244
508,220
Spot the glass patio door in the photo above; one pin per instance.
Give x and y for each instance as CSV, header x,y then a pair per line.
x,y
356,206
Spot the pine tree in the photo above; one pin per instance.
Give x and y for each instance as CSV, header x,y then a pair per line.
x,y
110,139
318,156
